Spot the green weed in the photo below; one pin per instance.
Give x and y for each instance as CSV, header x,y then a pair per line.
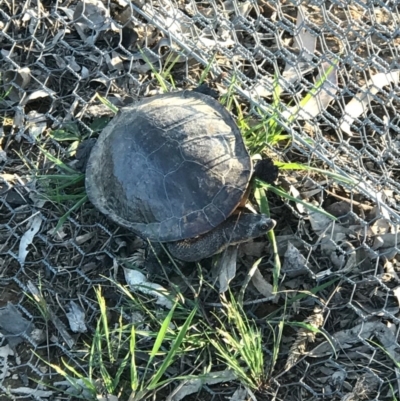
x,y
238,342
112,357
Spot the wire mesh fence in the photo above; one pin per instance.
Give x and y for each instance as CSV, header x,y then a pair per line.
x,y
327,71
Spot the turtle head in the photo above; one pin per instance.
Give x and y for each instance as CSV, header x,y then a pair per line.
x,y
245,227
235,230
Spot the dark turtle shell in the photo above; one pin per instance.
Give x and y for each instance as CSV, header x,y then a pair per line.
x,y
170,167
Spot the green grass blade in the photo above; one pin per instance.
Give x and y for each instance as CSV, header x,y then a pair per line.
x,y
65,216
57,161
121,367
247,281
107,103
303,167
161,81
304,294
277,341
154,383
262,201
312,92
70,180
227,99
389,354
318,84
88,383
106,377
61,135
160,337
207,69
239,345
62,198
284,194
169,64
104,320
132,348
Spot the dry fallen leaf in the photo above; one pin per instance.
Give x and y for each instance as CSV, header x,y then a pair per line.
x,y
137,281
231,8
345,339
194,385
15,79
36,123
92,14
295,264
305,42
27,238
241,394
319,222
108,397
261,284
39,94
13,325
227,271
320,101
362,100
5,352
34,393
76,318
81,239
76,388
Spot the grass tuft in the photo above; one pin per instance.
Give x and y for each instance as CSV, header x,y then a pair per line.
x,y
239,345
62,189
114,366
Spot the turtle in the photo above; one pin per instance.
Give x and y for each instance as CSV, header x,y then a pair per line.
x,y
173,168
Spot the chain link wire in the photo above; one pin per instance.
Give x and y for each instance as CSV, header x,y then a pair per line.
x,y
55,57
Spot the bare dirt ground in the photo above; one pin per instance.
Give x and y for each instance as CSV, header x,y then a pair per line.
x,y
338,298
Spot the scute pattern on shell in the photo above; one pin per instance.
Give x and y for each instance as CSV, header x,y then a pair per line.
x,y
171,167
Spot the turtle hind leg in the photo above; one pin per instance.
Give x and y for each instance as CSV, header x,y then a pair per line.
x,y
82,154
206,89
156,257
266,171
